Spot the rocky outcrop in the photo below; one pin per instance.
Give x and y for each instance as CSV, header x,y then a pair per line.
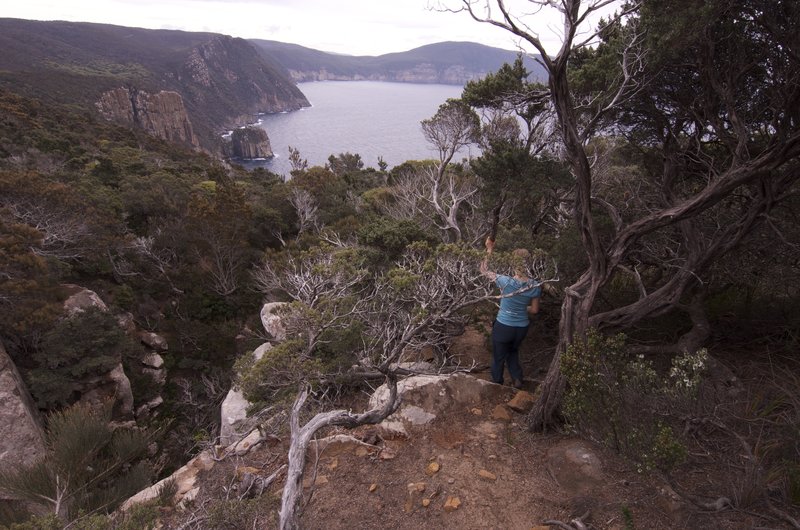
x,y
112,386
425,397
22,441
80,299
161,114
233,411
272,322
249,143
184,479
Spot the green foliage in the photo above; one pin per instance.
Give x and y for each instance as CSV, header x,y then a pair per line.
x,y
89,466
391,236
621,401
345,163
76,349
277,374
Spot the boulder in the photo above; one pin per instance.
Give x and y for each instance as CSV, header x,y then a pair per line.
x,y
185,479
80,299
153,360
576,467
127,323
234,408
22,441
113,386
272,322
153,340
425,397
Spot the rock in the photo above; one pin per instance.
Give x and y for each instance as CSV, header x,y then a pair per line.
x,y
272,322
373,487
162,114
501,413
127,323
246,444
81,299
432,469
426,503
388,454
153,340
114,386
22,441
521,402
184,478
425,397
488,475
153,360
233,411
243,470
145,409
452,504
575,467
249,143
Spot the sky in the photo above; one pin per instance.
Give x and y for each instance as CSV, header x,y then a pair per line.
x,y
352,27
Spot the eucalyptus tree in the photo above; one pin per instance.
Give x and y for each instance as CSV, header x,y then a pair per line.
x,y
442,198
706,95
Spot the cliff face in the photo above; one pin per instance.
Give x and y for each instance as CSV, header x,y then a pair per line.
x,y
225,81
182,86
249,143
162,114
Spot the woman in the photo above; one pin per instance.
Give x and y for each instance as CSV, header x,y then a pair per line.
x,y
519,298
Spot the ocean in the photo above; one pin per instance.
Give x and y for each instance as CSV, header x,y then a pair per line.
x,y
369,118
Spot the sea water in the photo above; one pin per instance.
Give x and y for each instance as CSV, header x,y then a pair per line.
x,y
369,118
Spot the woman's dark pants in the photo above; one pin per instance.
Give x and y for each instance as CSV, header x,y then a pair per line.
x,y
505,349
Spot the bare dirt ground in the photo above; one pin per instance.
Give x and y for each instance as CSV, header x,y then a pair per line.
x,y
474,467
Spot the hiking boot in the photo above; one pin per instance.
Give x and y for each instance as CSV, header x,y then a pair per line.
x,y
517,383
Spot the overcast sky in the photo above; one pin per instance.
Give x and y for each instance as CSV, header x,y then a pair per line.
x,y
355,27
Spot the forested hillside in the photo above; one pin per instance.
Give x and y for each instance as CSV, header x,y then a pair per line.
x,y
652,182
443,62
223,81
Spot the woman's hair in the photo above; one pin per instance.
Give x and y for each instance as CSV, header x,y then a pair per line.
x,y
521,259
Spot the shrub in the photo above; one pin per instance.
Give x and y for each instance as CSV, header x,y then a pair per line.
x,y
621,401
89,467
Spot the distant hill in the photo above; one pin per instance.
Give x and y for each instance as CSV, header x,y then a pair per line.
x,y
223,81
445,62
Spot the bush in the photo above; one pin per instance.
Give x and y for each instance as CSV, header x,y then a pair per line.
x,y
620,401
89,467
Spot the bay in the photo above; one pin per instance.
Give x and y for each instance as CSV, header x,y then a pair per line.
x,y
370,118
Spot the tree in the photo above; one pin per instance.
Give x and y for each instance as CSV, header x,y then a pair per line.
x,y
716,115
418,302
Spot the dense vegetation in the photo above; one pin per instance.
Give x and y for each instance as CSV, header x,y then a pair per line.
x,y
74,63
659,199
